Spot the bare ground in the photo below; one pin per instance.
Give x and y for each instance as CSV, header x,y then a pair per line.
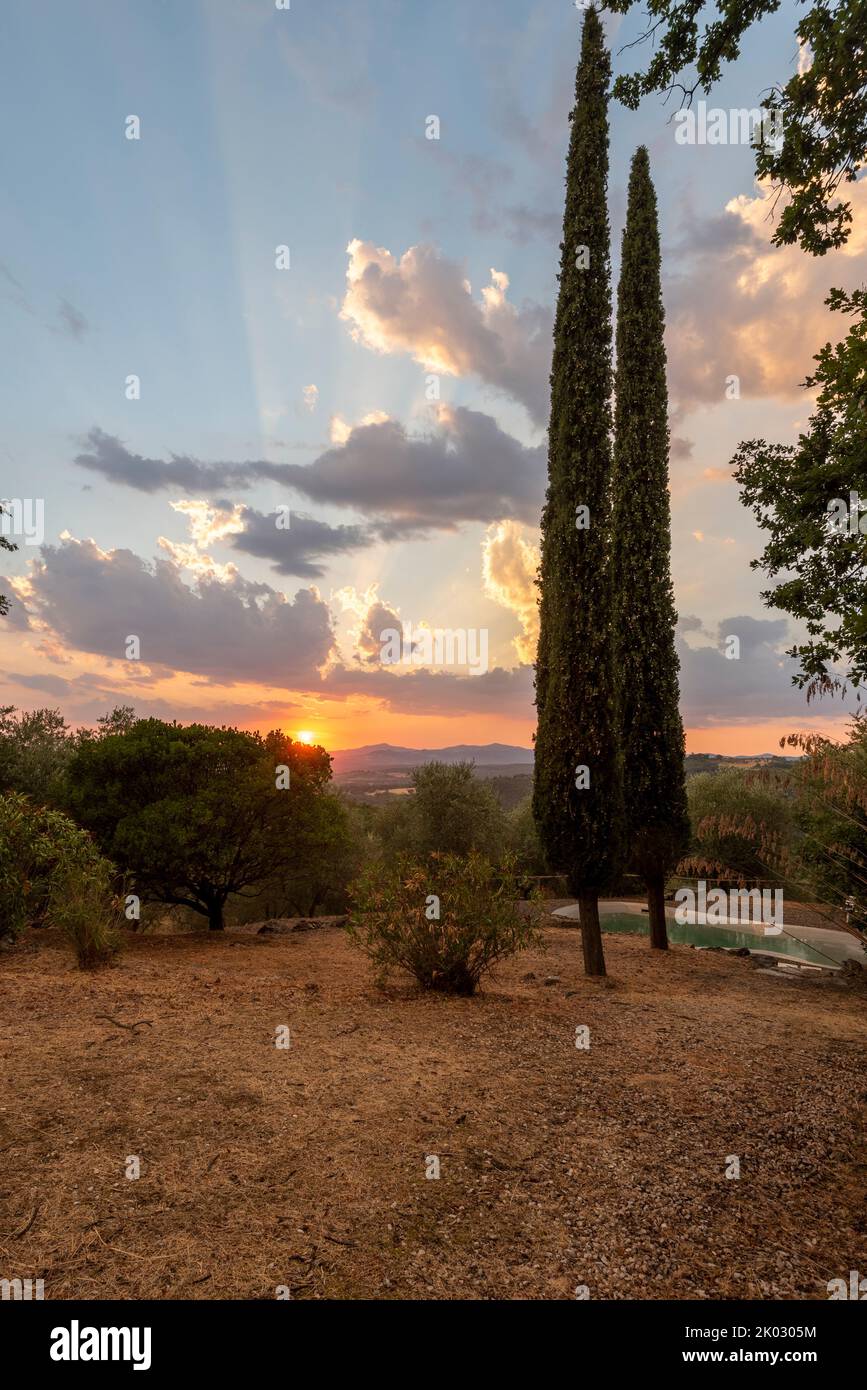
x,y
305,1167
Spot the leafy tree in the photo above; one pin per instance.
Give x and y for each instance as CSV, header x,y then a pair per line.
x,y
452,812
5,544
794,492
449,811
522,838
577,792
119,721
336,842
647,664
743,824
195,812
822,109
805,827
35,748
830,783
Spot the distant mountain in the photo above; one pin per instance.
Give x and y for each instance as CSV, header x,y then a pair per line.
x,y
382,757
375,757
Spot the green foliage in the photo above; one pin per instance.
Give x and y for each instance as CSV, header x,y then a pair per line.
x,y
194,812
449,812
830,785
806,827
823,110
337,844
52,874
790,489
522,838
581,829
447,921
741,822
35,748
647,664
511,791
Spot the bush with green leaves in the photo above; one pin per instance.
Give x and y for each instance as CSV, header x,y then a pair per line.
x,y
446,921
52,874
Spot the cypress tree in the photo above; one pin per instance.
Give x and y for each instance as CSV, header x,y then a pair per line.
x,y
577,791
651,729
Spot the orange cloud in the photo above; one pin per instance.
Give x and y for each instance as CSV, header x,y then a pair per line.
x,y
509,567
748,309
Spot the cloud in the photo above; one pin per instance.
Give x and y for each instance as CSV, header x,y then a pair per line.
x,y
508,693
72,320
509,568
744,308
107,455
297,547
464,469
334,73
757,686
423,305
339,430
374,617
50,685
311,397
228,632
482,179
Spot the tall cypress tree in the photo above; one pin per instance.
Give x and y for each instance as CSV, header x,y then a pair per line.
x,y
651,729
577,791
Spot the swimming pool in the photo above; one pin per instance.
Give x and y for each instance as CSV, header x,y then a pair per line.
x,y
811,945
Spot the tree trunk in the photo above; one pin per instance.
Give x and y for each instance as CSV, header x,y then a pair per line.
x,y
591,936
215,917
656,903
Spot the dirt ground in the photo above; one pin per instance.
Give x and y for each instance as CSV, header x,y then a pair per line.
x,y
305,1166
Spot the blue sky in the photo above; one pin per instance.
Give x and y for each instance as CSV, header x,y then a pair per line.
x,y
306,127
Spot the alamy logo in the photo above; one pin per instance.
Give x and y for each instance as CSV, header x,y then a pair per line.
x,y
719,908
435,646
76,1343
848,518
22,1290
25,517
739,126
855,1289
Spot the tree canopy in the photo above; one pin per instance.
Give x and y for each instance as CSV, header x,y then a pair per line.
x,y
197,813
821,109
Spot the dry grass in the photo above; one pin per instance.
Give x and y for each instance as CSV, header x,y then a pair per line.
x,y
306,1167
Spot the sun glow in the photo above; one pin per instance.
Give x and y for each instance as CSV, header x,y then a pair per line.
x,y
305,736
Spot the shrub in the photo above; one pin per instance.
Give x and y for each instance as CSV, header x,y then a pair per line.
x,y
52,874
83,905
446,921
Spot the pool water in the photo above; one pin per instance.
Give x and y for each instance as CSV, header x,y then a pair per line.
x,y
701,935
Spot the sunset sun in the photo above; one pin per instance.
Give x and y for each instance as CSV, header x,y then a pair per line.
x,y
305,736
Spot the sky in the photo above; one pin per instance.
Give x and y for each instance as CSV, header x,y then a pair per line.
x,y
274,362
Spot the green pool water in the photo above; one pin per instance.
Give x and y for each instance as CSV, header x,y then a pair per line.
x,y
701,935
